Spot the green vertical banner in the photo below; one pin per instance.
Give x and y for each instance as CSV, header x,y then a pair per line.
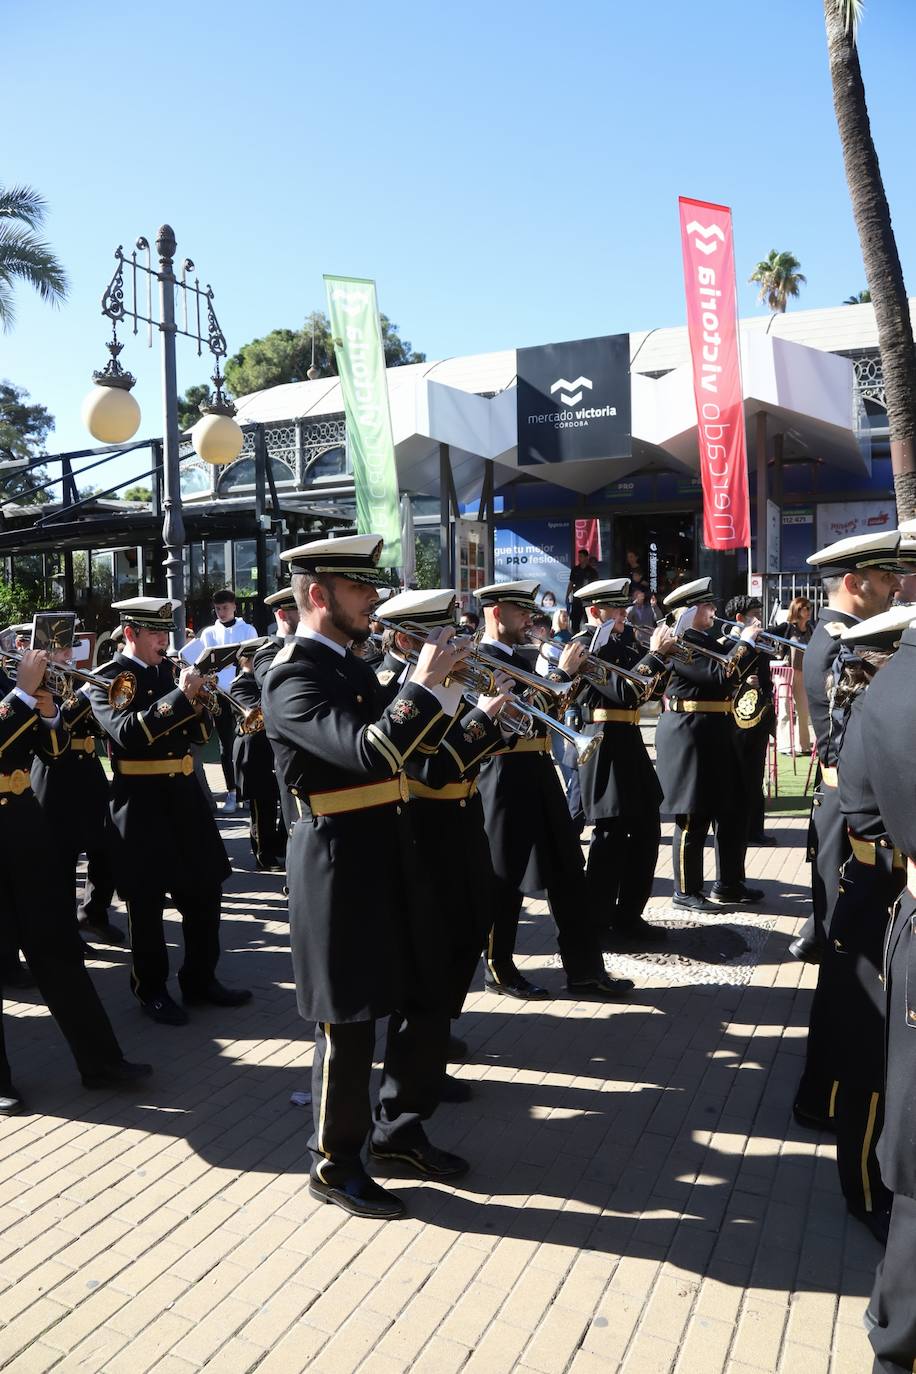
x,y
357,335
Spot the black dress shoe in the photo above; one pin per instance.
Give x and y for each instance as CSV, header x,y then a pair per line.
x,y
11,1104
692,901
813,1121
739,895
427,1160
362,1197
457,1049
806,950
164,1010
215,994
455,1089
103,930
762,841
600,986
123,1075
519,987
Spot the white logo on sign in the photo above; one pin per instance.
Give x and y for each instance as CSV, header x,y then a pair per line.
x,y
564,387
351,302
706,232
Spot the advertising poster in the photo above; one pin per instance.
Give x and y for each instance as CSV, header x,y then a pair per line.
x,y
536,548
843,519
573,400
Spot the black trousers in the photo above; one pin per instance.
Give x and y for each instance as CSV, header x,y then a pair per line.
x,y
752,757
415,1054
46,933
200,911
621,868
858,1114
690,833
828,850
578,937
100,886
225,728
894,1338
266,828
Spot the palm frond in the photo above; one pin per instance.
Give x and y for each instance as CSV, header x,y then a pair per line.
x,y
7,306
23,256
22,202
851,12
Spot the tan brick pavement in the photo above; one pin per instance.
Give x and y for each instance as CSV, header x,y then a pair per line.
x,y
640,1200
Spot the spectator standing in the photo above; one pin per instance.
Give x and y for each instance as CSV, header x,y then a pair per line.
x,y
560,626
583,573
797,627
640,612
226,629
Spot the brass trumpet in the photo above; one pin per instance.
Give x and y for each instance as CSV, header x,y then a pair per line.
x,y
477,675
211,696
595,671
59,679
471,674
686,650
766,642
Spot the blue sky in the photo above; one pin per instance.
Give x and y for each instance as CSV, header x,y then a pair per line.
x,y
508,172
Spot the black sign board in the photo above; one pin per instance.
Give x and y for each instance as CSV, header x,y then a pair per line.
x,y
573,400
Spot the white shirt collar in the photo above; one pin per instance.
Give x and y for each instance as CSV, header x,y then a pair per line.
x,y
496,644
306,632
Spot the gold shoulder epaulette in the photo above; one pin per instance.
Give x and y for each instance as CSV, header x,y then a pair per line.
x,y
835,628
284,655
385,676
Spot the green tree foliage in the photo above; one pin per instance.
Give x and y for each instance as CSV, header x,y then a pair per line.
x,y
17,603
778,278
427,562
23,257
286,355
23,432
189,408
137,494
860,298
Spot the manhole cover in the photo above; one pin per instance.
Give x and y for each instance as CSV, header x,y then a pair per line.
x,y
722,948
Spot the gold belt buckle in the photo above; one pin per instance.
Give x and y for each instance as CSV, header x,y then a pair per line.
x,y
20,781
187,765
404,787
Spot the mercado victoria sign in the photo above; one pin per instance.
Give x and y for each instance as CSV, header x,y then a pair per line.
x,y
573,401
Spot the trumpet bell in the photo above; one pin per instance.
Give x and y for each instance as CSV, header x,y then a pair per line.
x,y
122,691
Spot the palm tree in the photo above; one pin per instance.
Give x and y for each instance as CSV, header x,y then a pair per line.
x,y
879,249
860,298
779,279
23,256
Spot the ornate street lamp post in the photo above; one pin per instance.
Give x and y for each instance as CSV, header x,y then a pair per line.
x,y
112,415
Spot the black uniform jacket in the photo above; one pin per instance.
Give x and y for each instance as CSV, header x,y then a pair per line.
x,y
166,835
27,852
73,790
889,742
252,756
847,1020
265,656
619,779
526,814
358,941
818,661
697,762
451,840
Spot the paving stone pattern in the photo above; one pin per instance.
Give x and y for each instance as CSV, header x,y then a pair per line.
x,y
640,1198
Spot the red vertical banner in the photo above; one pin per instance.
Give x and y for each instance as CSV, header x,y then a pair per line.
x,y
712,325
588,536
